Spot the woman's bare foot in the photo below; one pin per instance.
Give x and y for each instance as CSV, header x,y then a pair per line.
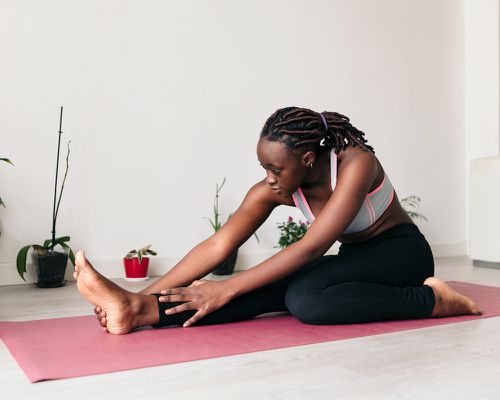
x,y
448,301
118,310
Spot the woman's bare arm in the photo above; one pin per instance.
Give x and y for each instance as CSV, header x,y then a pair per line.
x,y
206,256
354,181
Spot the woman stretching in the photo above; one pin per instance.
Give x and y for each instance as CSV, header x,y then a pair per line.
x,y
322,164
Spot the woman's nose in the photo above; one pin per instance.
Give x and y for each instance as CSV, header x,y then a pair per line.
x,y
270,179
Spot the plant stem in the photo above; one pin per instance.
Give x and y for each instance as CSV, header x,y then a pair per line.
x,y
55,186
64,180
216,206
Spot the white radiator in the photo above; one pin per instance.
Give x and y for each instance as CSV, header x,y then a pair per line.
x,y
484,226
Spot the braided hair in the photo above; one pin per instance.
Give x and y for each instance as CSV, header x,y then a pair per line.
x,y
303,128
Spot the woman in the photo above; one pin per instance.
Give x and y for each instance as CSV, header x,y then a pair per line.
x,y
322,164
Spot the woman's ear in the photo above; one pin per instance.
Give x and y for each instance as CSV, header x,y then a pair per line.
x,y
308,158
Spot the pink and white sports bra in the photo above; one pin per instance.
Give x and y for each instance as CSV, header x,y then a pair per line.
x,y
376,202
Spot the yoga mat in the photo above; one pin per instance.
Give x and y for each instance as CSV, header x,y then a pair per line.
x,y
77,346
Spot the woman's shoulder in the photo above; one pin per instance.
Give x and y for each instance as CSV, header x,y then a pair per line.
x,y
354,155
262,192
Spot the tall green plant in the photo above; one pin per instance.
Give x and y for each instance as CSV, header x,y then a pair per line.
x,y
49,244
216,222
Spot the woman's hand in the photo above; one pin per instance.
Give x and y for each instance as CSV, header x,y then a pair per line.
x,y
202,295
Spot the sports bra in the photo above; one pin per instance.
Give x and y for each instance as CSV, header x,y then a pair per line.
x,y
376,202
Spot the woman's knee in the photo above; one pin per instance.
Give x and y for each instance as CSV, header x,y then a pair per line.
x,y
298,303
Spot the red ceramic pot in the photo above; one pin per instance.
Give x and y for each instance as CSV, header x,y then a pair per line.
x,y
135,269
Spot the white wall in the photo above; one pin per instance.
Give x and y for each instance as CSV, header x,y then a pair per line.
x,y
162,99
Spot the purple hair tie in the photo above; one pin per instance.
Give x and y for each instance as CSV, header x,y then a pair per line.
x,y
322,142
324,121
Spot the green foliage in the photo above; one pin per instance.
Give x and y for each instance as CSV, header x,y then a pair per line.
x,y
215,222
47,247
411,204
291,232
142,252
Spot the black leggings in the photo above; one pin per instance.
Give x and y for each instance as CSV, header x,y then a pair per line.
x,y
378,279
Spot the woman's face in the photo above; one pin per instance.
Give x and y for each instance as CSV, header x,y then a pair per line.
x,y
284,173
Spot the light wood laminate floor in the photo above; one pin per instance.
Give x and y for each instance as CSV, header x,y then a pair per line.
x,y
454,361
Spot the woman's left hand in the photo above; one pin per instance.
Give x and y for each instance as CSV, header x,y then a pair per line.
x,y
202,295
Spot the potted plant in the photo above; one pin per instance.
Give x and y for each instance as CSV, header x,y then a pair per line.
x,y
227,266
136,263
291,232
50,265
1,202
411,204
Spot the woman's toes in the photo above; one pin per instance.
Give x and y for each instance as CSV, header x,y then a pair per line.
x,y
97,309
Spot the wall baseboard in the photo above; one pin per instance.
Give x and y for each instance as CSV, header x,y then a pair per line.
x,y
486,264
449,249
161,265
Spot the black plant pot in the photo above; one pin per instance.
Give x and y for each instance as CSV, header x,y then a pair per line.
x,y
227,267
50,268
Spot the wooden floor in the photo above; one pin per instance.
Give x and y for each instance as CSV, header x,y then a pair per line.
x,y
454,361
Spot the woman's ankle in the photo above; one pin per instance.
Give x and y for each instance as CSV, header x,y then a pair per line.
x,y
146,310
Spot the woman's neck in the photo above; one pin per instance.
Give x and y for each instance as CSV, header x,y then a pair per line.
x,y
319,174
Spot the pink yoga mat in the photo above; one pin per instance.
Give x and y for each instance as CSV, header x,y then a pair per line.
x,y
77,346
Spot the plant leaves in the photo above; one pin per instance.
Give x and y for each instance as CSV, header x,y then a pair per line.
x,y
21,261
71,254
144,249
6,160
130,254
222,184
62,239
211,222
256,237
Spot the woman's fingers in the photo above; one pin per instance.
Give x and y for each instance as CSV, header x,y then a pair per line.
x,y
173,291
180,308
171,295
196,317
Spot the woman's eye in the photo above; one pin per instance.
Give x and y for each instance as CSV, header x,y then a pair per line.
x,y
275,171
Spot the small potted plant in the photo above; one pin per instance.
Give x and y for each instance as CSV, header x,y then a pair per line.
x,y
136,263
50,265
1,202
227,266
291,232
